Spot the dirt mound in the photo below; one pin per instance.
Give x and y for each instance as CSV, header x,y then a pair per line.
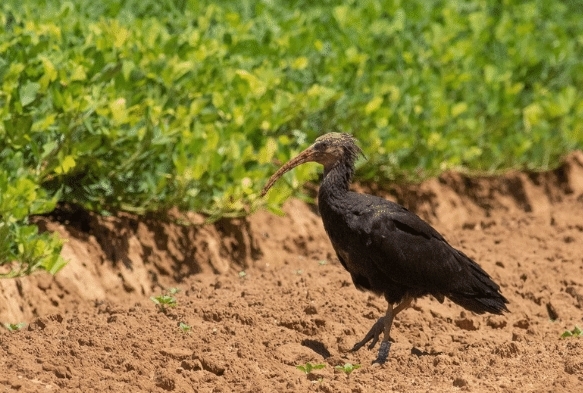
x,y
94,328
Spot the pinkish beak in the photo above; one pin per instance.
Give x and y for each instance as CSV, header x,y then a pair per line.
x,y
305,156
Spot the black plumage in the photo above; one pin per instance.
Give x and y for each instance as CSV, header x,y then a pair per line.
x,y
387,249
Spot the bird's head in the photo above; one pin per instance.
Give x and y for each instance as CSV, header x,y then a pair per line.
x,y
329,150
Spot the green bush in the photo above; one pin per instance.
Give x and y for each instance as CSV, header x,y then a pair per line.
x,y
22,248
144,105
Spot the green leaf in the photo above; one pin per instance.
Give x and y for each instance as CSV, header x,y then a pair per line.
x,y
458,109
373,105
348,368
164,301
66,165
13,327
341,13
28,93
309,367
576,332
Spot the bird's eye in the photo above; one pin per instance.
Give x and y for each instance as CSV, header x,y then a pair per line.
x,y
321,145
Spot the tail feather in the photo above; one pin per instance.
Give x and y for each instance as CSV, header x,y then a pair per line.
x,y
478,292
481,305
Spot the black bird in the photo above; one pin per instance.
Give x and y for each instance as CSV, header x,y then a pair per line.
x,y
387,249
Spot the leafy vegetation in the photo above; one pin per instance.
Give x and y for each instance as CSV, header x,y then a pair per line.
x,y
348,368
14,327
145,105
184,327
576,332
22,249
309,367
165,301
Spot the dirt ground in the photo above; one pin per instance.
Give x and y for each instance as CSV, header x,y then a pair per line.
x,y
265,294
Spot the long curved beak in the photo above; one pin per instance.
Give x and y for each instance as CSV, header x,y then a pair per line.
x,y
307,155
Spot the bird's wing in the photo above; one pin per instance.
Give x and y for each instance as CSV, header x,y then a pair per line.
x,y
411,255
406,248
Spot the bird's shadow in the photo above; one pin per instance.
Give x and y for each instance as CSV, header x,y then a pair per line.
x,y
417,352
317,347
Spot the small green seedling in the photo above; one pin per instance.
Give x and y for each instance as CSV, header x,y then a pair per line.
x,y
322,262
576,332
299,272
173,291
163,302
14,327
309,367
347,368
184,327
242,274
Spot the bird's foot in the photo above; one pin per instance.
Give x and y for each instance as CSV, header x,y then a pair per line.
x,y
373,334
383,352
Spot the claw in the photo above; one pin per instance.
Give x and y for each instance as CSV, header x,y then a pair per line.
x,y
373,334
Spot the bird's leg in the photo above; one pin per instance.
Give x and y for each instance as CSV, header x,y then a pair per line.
x,y
383,325
385,343
389,317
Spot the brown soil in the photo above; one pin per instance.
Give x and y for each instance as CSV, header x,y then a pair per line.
x,y
93,327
